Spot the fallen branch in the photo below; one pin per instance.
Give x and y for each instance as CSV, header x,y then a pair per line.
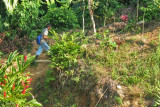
x,y
43,61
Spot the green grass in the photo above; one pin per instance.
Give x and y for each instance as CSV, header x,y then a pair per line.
x,y
131,65
135,68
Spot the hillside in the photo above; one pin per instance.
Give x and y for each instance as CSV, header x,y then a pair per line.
x,y
102,86
100,53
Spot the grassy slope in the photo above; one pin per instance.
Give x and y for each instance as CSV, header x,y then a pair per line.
x,y
134,66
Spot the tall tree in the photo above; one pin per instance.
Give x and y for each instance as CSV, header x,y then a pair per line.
x,y
90,4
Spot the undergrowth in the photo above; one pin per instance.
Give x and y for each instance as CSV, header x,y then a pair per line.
x,y
73,69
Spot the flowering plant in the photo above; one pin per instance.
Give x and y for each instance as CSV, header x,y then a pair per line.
x,y
125,18
14,83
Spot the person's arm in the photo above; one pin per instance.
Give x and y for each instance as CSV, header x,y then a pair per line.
x,y
45,37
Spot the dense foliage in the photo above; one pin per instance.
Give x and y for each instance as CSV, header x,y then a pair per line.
x,y
14,83
62,18
32,16
77,57
65,51
151,9
26,17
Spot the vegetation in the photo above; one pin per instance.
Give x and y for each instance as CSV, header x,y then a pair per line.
x,y
14,84
57,16
91,43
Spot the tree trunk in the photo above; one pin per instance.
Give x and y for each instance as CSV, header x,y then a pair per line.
x,y
83,15
91,15
143,23
137,12
105,13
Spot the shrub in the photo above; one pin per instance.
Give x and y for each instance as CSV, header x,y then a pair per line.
x,y
151,10
62,18
14,83
105,10
65,51
26,17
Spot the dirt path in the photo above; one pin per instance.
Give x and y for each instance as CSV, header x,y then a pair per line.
x,y
39,70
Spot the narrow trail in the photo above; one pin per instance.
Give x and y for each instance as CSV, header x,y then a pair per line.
x,y
40,69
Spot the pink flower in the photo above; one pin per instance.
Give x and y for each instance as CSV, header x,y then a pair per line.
x,y
27,75
5,76
2,84
5,81
125,18
25,58
29,80
23,83
4,94
24,90
27,86
13,86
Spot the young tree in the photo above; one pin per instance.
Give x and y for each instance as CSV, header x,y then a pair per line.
x,y
83,15
105,6
90,4
137,10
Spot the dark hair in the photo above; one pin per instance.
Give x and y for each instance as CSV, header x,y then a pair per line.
x,y
49,25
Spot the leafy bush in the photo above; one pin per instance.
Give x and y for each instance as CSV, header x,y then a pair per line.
x,y
62,18
65,51
105,10
14,84
26,17
151,9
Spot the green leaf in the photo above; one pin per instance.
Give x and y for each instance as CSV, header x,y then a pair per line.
x,y
34,103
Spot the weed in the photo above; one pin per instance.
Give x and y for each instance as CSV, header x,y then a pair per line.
x,y
157,102
118,100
